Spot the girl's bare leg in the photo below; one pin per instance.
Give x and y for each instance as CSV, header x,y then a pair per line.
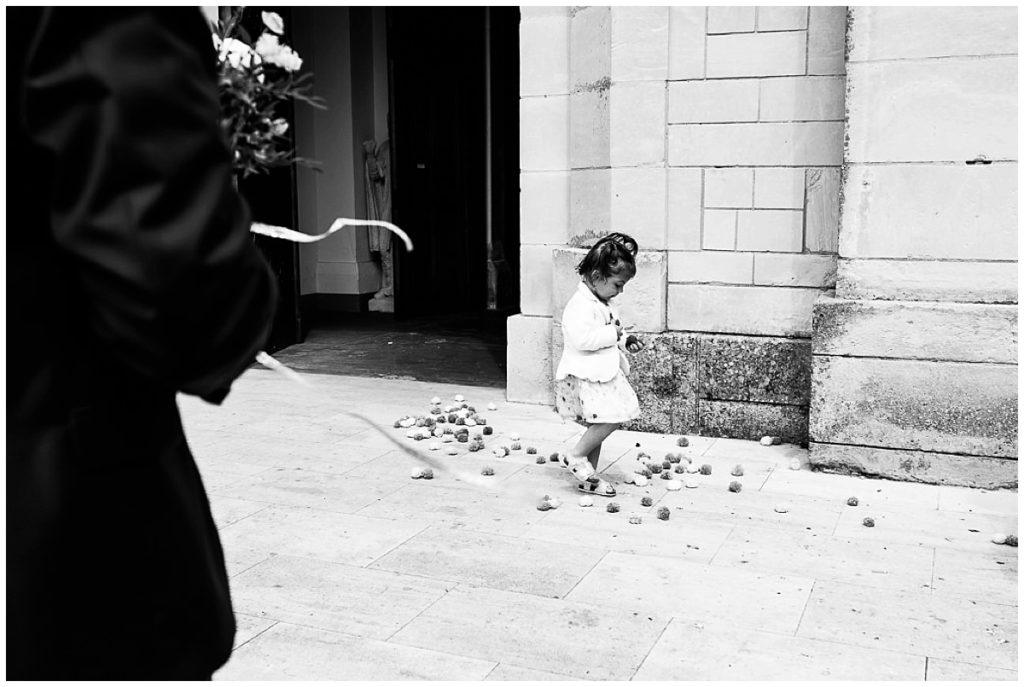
x,y
589,445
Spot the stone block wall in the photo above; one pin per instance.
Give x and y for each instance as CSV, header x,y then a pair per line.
x,y
714,136
915,359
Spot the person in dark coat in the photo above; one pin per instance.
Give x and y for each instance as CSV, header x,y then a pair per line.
x,y
131,276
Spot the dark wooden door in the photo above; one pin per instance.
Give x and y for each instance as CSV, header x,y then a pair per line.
x,y
437,88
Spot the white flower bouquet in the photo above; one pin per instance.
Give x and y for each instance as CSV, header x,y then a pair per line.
x,y
254,80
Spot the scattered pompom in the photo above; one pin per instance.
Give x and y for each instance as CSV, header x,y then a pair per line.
x,y
635,520
674,457
452,451
647,501
461,421
654,468
640,480
795,464
434,446
782,508
420,422
869,522
666,465
544,505
776,441
679,469
513,436
663,513
682,441
645,472
436,400
428,473
766,441
541,460
1011,540
516,446
553,458
487,471
673,486
705,469
852,501
692,468
480,420
642,456
491,406
478,437
398,424
462,438
452,417
737,471
555,502
586,501
666,475
488,430
612,507
470,422
735,487
416,473
691,483
459,398
531,450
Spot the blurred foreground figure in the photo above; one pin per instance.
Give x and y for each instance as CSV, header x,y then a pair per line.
x,y
131,275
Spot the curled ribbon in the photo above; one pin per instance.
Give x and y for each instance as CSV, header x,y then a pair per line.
x,y
277,232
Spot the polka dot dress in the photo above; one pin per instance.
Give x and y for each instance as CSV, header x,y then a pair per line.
x,y
590,403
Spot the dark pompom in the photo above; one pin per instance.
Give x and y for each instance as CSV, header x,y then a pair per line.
x,y
435,411
516,446
487,471
666,475
480,420
452,417
420,422
1011,540
541,460
735,487
441,419
398,423
488,430
531,450
470,408
645,472
680,470
852,501
553,458
462,438
673,458
427,473
663,513
654,468
683,441
869,522
460,421
647,501
705,469
737,471
613,507
642,456
666,465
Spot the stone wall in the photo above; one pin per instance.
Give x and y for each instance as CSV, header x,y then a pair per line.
x,y
714,136
915,359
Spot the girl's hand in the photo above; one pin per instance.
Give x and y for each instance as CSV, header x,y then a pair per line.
x,y
634,344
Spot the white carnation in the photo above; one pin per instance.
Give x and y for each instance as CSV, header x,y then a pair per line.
x,y
273,21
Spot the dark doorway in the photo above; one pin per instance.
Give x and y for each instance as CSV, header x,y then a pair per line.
x,y
455,190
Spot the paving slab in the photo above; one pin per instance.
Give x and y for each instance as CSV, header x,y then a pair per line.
x,y
941,529
1001,502
918,623
239,558
721,651
505,672
868,492
536,633
318,534
824,557
311,489
333,596
493,561
693,591
596,528
990,576
227,510
247,627
950,671
292,652
455,505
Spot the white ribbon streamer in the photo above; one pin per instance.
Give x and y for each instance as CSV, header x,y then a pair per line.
x,y
277,232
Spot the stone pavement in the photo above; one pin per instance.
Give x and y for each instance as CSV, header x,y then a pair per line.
x,y
344,568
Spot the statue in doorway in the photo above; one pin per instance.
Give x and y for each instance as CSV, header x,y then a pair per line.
x,y
378,206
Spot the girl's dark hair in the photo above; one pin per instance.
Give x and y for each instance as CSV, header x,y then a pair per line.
x,y
609,256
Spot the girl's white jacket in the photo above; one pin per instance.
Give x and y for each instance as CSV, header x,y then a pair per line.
x,y
591,348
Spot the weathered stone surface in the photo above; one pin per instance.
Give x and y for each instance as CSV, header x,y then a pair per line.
x,y
729,100
914,32
779,187
638,205
719,230
535,280
589,126
684,208
739,420
932,110
664,376
589,204
826,40
590,55
529,360
968,408
686,36
544,51
930,331
637,123
761,310
917,466
780,144
779,53
710,267
821,210
639,48
795,269
802,98
921,280
544,133
729,187
731,19
760,369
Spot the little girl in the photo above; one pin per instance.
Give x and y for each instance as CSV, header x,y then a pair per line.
x,y
590,383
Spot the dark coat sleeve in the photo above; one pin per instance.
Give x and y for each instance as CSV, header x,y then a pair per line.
x,y
143,206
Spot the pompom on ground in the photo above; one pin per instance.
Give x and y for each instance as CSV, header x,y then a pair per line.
x,y
663,513
735,487
647,501
612,507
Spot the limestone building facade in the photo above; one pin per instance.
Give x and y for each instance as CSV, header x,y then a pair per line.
x,y
826,204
